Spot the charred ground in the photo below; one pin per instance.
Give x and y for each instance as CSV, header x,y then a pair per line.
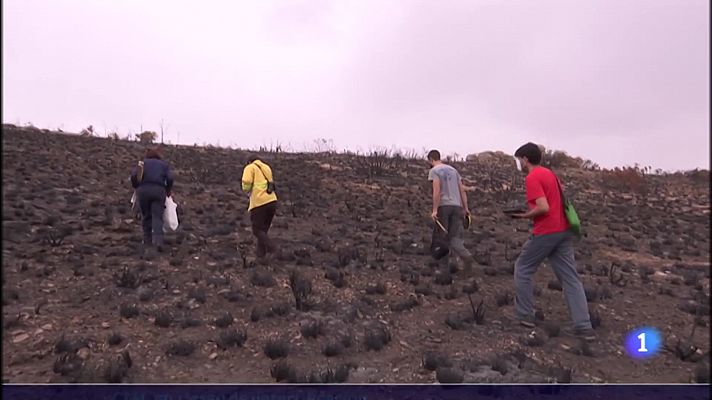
x,y
353,296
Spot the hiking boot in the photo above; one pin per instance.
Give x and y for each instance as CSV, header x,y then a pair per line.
x,y
586,334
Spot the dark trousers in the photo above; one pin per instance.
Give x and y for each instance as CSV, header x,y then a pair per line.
x,y
152,201
261,218
452,218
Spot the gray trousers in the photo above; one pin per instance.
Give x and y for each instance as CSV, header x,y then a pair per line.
x,y
452,218
559,249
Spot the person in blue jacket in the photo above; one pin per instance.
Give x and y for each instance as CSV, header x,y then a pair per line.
x,y
153,180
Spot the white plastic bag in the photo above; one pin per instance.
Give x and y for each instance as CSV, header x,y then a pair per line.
x,y
170,215
135,209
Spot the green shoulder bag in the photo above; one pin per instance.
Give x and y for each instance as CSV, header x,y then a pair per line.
x,y
570,212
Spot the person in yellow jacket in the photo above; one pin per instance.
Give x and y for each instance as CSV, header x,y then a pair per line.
x,y
257,180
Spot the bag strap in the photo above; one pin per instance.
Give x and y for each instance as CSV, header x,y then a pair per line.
x,y
561,191
263,173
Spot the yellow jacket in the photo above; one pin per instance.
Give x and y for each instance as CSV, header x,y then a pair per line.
x,y
255,183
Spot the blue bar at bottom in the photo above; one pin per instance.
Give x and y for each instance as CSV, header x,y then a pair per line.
x,y
353,392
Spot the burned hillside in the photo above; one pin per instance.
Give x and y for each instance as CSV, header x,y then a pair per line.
x,y
353,295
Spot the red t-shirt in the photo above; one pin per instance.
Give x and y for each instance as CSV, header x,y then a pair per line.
x,y
541,182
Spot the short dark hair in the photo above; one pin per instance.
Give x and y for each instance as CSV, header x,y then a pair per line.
x,y
153,152
531,151
252,158
434,155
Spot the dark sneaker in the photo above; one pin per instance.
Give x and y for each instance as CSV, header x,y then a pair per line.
x,y
141,250
527,323
586,334
468,262
469,268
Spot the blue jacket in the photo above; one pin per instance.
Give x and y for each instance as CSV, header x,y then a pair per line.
x,y
156,172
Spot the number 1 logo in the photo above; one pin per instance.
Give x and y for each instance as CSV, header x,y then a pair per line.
x,y
642,348
643,342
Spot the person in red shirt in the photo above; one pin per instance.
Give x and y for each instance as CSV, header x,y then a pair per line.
x,y
552,240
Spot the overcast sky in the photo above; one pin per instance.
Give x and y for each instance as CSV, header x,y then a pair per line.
x,y
615,81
